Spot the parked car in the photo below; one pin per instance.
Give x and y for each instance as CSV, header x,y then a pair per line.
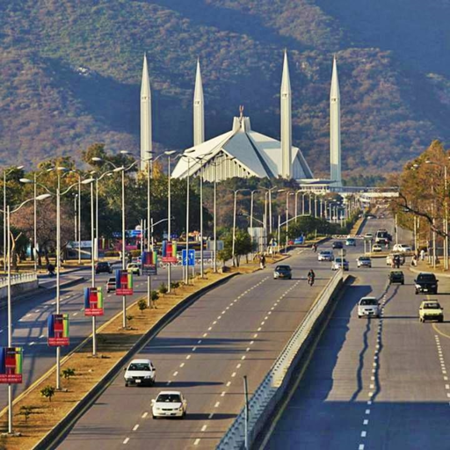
x,y
431,310
134,268
402,248
364,261
325,255
111,285
376,248
103,267
369,307
140,372
339,263
426,282
337,245
283,271
396,276
350,242
169,404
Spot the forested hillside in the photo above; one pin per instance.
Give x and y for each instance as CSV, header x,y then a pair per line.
x,y
70,73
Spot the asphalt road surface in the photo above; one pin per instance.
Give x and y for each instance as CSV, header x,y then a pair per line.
x,y
30,320
238,329
373,384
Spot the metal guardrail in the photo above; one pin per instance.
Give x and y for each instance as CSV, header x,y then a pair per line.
x,y
235,436
18,279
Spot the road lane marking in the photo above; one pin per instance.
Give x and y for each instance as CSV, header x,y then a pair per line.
x,y
32,343
188,356
126,440
233,374
41,336
238,366
222,394
210,328
197,441
136,427
181,365
194,348
217,405
144,415
366,422
229,384
243,357
205,334
363,433
204,427
199,342
255,335
211,416
175,374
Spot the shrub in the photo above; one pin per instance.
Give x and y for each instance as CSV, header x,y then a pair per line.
x,y
68,373
48,392
154,296
163,288
26,412
142,304
175,284
130,318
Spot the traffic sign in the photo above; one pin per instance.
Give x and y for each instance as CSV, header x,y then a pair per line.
x,y
190,259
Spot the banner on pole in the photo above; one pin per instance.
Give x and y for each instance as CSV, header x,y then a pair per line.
x,y
93,302
124,282
11,361
58,330
149,262
169,252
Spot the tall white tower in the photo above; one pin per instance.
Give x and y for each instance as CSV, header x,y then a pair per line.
x,y
335,128
199,109
146,115
286,121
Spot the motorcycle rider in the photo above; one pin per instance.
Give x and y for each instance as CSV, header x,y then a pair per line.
x,y
311,277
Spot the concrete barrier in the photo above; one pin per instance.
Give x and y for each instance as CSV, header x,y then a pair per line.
x,y
20,284
271,390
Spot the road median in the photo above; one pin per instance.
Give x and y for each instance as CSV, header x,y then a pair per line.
x,y
41,421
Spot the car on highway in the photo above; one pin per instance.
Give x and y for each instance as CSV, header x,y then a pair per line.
x,y
391,257
369,307
339,263
376,248
282,271
396,276
140,372
337,245
426,282
402,248
350,242
325,255
103,267
134,268
169,404
363,261
431,310
111,285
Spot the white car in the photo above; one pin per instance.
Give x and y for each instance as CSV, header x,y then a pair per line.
x,y
134,268
368,236
169,404
325,255
377,248
140,372
368,306
402,248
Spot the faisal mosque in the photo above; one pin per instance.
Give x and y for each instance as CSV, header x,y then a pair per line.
x,y
243,152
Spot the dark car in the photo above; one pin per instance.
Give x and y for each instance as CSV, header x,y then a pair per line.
x,y
396,276
282,272
103,267
111,285
426,282
337,244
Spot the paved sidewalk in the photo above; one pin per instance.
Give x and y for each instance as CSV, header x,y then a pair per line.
x,y
424,267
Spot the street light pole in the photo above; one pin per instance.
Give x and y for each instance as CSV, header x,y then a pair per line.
x,y
124,298
234,227
94,324
187,219
169,230
35,256
215,220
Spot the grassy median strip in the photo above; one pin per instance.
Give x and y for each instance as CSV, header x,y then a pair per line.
x,y
39,409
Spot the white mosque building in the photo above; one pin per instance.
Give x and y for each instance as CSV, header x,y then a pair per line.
x,y
243,152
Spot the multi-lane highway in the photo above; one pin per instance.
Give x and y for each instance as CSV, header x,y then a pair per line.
x,y
238,329
30,321
373,384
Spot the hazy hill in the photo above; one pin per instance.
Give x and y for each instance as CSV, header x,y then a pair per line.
x,y
70,73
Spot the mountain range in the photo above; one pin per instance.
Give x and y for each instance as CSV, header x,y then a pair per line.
x,y
70,74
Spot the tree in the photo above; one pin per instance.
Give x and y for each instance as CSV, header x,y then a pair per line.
x,y
242,245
